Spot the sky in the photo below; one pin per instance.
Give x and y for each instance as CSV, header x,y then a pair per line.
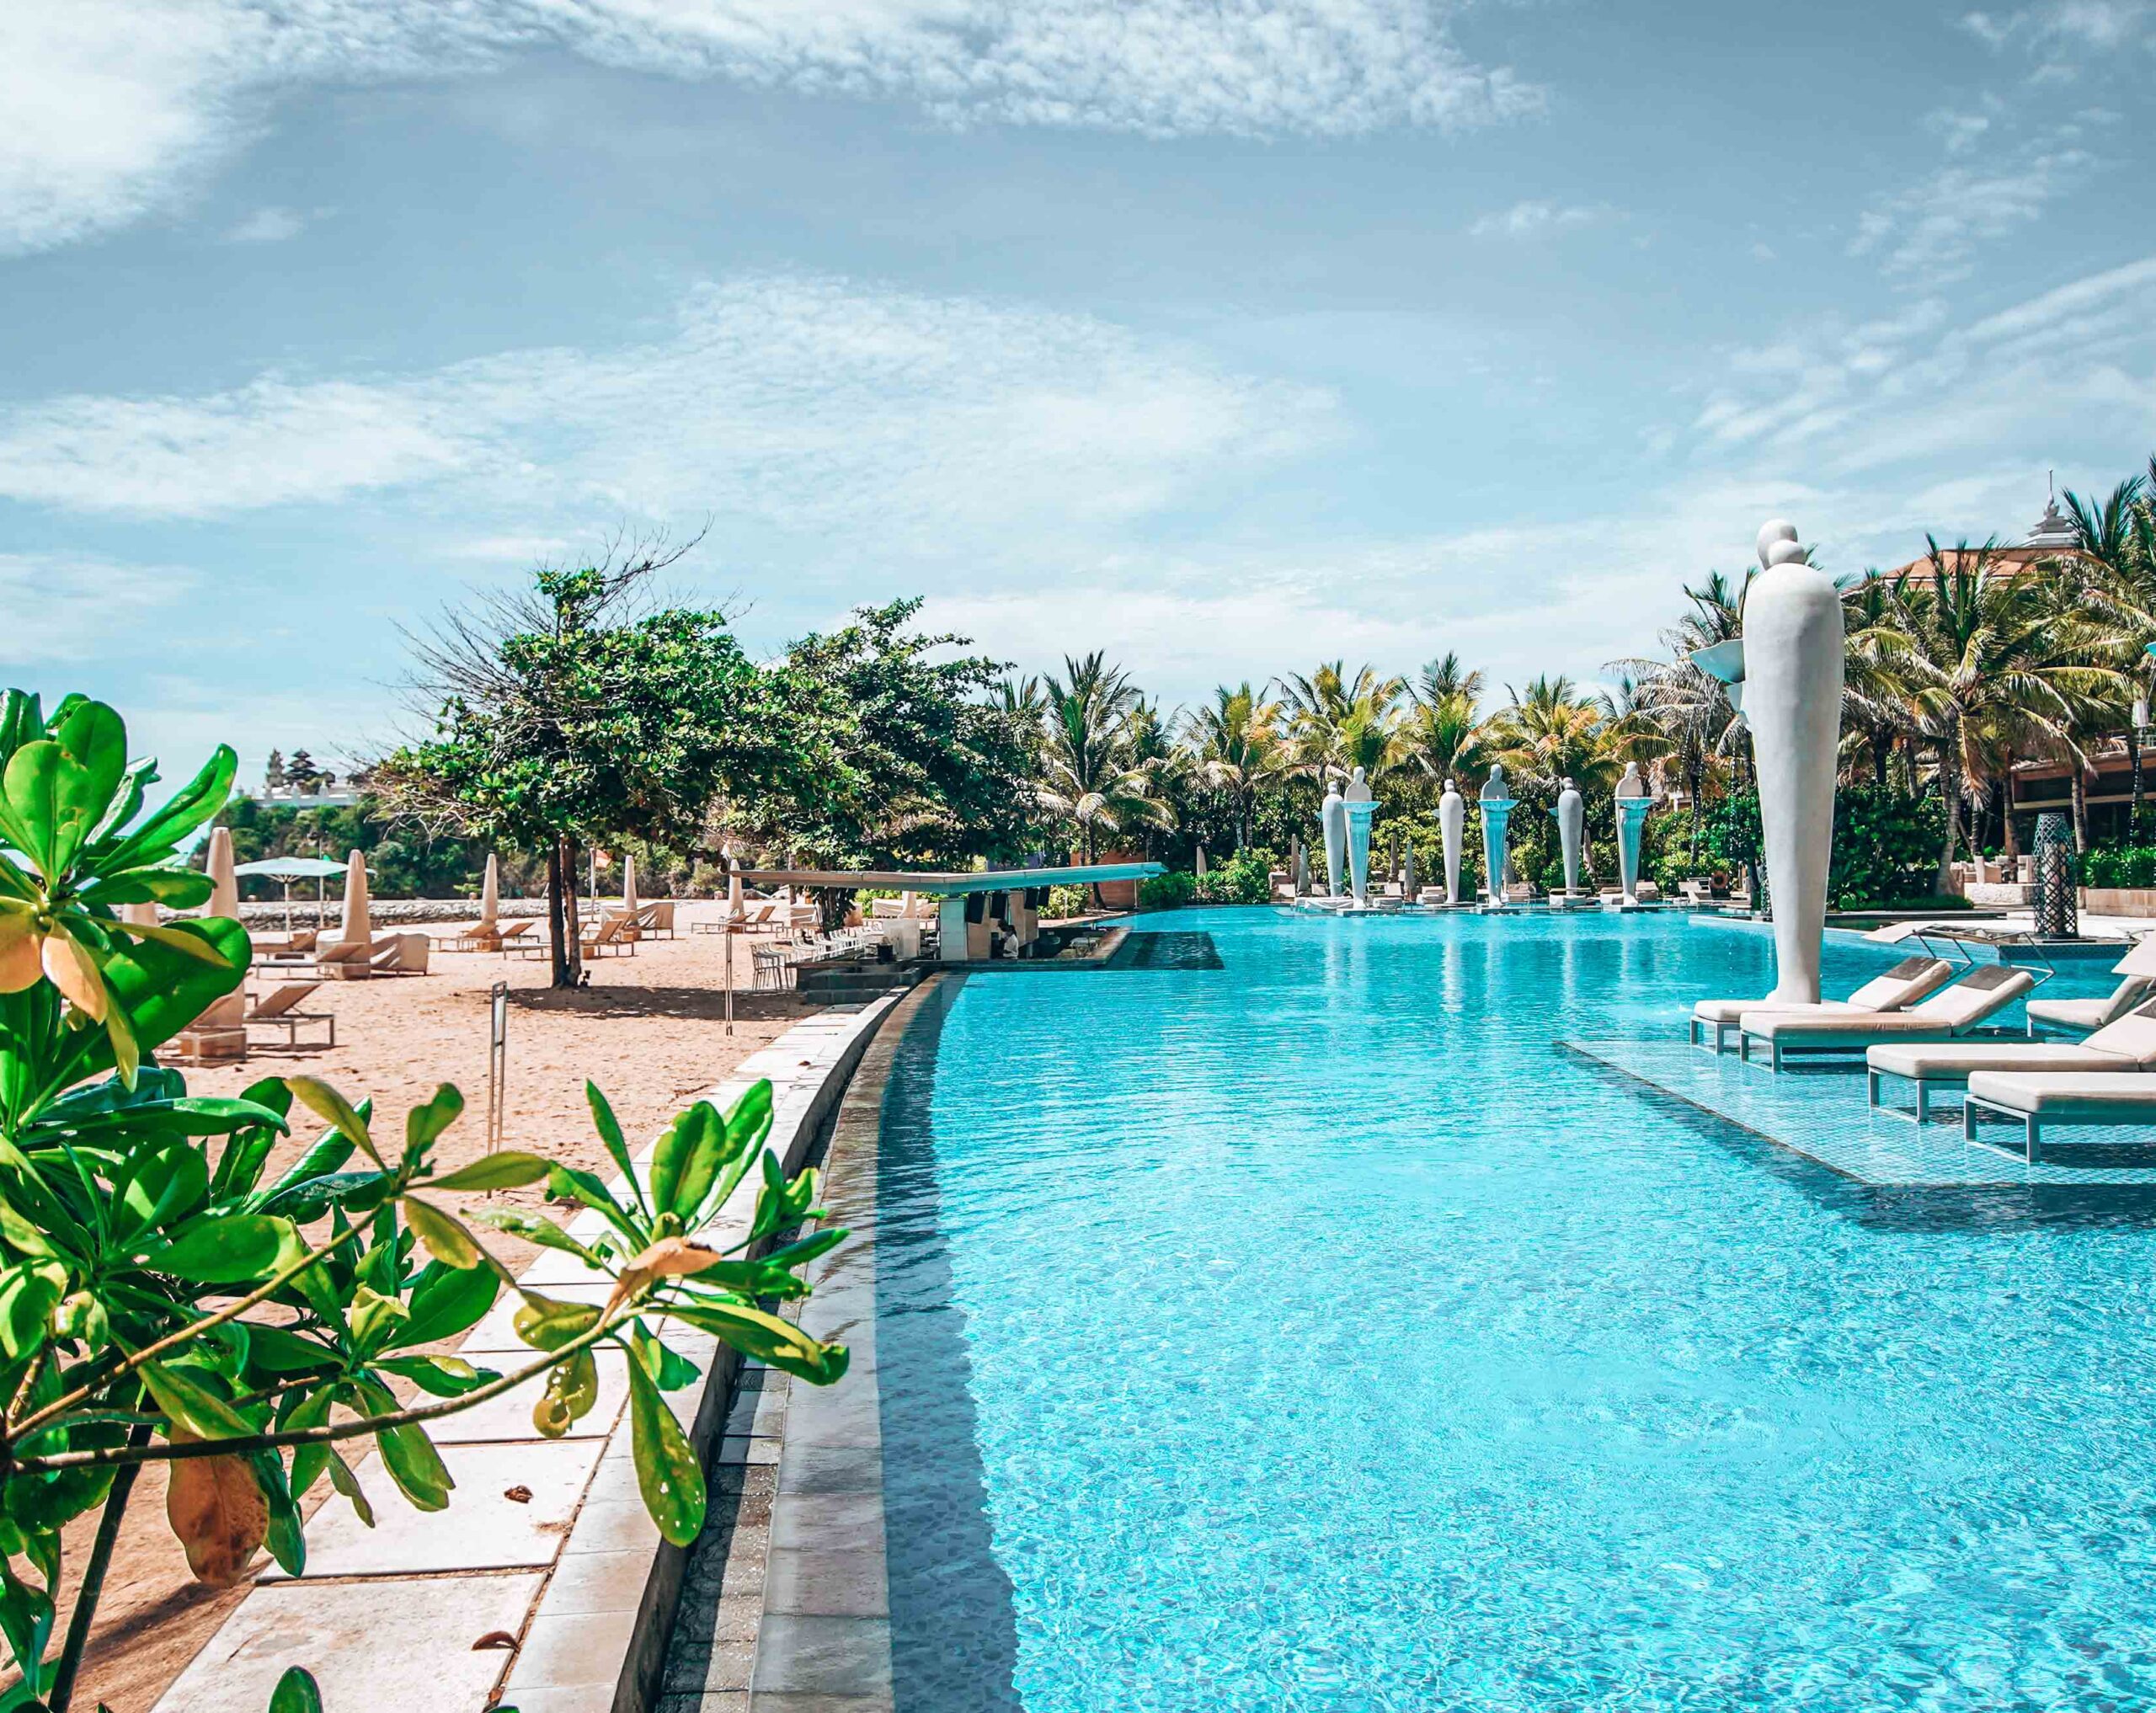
x,y
1227,337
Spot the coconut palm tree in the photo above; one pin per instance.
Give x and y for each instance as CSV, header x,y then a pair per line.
x,y
1445,678
1239,748
1444,738
1554,733
1329,715
1983,649
1098,772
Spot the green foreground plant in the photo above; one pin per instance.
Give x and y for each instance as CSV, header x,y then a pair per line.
x,y
164,1299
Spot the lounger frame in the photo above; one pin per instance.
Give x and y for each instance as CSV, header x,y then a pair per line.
x,y
2032,1123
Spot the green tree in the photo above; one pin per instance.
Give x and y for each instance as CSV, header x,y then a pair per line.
x,y
568,717
1238,747
1096,777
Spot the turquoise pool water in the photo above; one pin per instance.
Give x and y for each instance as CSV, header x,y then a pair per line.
x,y
1312,1333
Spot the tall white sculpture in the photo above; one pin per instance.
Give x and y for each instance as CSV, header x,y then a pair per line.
x,y
1789,666
1452,824
1571,814
1360,804
1633,803
1497,810
1332,821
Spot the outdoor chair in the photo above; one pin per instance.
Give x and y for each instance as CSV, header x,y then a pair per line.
x,y
278,1010
1903,986
657,919
771,968
2127,1045
2038,1097
1953,1011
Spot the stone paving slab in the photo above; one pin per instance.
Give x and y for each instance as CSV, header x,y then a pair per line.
x,y
1820,1111
484,1528
404,1644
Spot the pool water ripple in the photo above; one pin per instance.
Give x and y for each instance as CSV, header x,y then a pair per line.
x,y
1312,1333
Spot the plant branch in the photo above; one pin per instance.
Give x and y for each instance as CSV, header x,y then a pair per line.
x,y
93,1589
123,1455
193,1329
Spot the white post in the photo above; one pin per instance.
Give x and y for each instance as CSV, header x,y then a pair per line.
x,y
951,930
1793,659
1452,822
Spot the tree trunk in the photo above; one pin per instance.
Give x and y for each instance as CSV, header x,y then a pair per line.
x,y
1949,789
2080,812
557,940
1882,752
69,1663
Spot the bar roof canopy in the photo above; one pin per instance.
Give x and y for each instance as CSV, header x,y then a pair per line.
x,y
950,883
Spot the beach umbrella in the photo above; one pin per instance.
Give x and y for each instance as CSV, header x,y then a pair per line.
x,y
1407,877
734,905
288,869
490,895
1201,862
629,886
1302,871
224,884
359,922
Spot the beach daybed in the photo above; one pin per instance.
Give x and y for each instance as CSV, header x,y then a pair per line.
x,y
278,1010
2128,1045
2038,1098
1891,990
1954,1011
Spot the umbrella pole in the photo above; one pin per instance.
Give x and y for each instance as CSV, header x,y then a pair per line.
x,y
727,940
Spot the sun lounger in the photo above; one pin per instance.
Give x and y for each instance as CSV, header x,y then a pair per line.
x,y
656,919
2038,1098
1954,1011
1903,986
401,954
2080,1016
2127,1045
614,936
278,1010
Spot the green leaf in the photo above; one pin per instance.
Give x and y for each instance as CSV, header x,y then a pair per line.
x,y
507,1169
303,1203
537,1228
287,1538
175,888
697,1129
572,1389
444,1234
296,1692
548,1323
190,807
161,991
26,1618
440,1376
29,1291
667,1472
160,1185
740,1130
333,1108
191,1406
424,1124
416,1466
669,1368
571,1184
609,1132
275,1350
766,1337
95,737
376,1317
238,1249
43,786
173,939
446,1301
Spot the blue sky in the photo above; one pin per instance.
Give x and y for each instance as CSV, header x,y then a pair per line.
x,y
1225,337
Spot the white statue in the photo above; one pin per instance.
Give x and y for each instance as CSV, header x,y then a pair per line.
x,y
1497,810
1633,803
1570,813
1792,678
1332,820
1452,824
1359,804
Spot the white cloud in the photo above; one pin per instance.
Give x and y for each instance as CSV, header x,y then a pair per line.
x,y
267,225
807,403
1934,229
2069,24
118,107
1534,219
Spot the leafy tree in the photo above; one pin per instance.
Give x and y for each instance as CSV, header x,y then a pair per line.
x,y
925,765
1240,749
164,1299
566,716
1095,777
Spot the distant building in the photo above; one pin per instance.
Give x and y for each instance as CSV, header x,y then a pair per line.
x,y
2051,538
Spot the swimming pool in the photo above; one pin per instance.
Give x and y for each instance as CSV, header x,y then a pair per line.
x,y
1312,1333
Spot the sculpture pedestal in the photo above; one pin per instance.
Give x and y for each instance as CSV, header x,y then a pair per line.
x,y
1631,824
1360,814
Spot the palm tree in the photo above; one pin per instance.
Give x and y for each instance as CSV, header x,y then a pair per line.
x,y
1445,678
1985,652
1443,737
1553,733
1096,770
1239,748
1329,714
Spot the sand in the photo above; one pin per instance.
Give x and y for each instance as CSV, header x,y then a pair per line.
x,y
648,1030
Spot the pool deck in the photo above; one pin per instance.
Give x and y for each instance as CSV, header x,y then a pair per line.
x,y
1818,1111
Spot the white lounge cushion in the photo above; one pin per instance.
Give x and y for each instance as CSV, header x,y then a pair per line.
x,y
2093,1013
1977,996
1906,982
1941,1061
2128,1093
